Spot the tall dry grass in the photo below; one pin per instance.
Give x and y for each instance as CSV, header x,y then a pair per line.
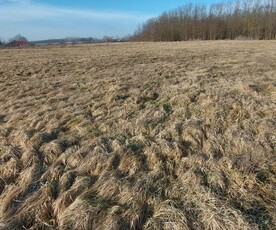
x,y
138,136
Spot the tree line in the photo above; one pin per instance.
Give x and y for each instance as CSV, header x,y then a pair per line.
x,y
251,19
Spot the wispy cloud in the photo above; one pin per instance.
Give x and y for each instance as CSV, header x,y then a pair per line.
x,y
41,21
26,10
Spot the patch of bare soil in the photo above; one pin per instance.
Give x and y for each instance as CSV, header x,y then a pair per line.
x,y
139,136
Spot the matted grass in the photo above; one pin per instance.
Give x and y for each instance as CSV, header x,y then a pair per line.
x,y
139,136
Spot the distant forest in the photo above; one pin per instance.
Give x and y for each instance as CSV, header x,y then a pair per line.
x,y
246,19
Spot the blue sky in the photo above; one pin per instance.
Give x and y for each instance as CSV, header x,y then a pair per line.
x,y
43,19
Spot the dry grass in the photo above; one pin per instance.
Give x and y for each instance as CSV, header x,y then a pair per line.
x,y
139,136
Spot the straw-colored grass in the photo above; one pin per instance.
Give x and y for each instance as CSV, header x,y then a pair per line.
x,y
139,136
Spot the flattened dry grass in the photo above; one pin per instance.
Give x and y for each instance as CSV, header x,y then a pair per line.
x,y
139,136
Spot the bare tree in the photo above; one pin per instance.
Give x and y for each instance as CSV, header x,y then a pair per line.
x,y
255,19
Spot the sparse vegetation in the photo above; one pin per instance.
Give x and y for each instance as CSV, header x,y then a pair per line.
x,y
138,136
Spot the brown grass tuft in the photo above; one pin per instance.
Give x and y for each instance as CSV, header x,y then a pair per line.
x,y
139,136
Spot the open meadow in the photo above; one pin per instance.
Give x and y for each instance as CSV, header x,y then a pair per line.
x,y
139,136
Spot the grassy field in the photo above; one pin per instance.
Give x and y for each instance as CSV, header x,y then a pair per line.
x,y
139,136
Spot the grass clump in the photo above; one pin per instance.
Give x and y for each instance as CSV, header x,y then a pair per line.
x,y
138,136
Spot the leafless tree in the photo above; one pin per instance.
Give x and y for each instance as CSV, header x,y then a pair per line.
x,y
254,19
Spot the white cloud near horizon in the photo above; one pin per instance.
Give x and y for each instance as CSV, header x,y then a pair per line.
x,y
28,13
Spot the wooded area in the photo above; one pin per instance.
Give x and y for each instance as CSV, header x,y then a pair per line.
x,y
247,19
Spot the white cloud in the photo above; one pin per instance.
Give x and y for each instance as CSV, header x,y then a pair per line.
x,y
25,10
38,21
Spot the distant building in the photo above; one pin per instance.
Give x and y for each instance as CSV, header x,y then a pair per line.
x,y
17,43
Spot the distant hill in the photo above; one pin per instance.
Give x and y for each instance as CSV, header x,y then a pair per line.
x,y
65,41
75,40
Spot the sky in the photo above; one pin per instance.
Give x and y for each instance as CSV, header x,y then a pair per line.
x,y
46,19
